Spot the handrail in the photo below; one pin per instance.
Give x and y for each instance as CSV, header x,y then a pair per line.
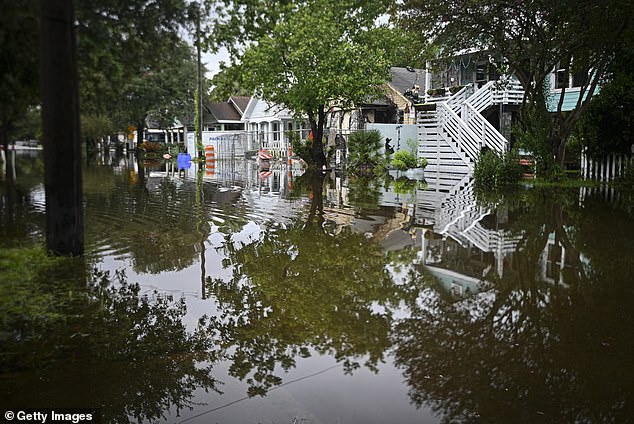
x,y
463,137
457,99
490,137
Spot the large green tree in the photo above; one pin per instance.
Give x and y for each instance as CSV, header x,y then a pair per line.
x,y
18,65
535,37
309,55
133,61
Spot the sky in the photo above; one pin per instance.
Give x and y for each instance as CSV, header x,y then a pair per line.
x,y
212,61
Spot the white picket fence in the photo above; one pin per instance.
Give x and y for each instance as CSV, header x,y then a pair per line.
x,y
605,169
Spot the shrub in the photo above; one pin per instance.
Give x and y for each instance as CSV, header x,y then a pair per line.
x,y
455,88
436,92
404,160
493,172
301,148
364,156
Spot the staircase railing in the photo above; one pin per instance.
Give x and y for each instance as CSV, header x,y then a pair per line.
x,y
489,95
456,100
464,141
462,124
482,98
477,123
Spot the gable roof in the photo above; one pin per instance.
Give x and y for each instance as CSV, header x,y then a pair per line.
x,y
223,112
403,79
240,103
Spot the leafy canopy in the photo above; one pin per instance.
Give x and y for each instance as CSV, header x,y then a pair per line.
x,y
319,54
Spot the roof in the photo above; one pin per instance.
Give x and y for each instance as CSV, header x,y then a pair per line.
x,y
240,102
223,111
403,79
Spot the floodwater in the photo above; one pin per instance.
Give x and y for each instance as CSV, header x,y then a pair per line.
x,y
228,294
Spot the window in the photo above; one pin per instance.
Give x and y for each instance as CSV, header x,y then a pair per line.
x,y
579,78
561,78
564,79
276,131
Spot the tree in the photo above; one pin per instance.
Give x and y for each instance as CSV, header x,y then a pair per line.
x,y
133,61
316,56
365,158
164,91
608,126
229,81
18,65
535,37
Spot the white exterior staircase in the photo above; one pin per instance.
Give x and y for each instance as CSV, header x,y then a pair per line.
x,y
452,135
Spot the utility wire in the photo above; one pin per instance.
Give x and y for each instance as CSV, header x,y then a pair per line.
x,y
248,397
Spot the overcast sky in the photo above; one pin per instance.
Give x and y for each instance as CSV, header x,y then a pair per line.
x,y
212,61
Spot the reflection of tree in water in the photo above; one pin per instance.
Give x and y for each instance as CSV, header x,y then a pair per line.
x,y
300,288
17,199
528,350
106,346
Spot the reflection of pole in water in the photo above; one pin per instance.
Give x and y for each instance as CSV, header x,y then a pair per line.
x,y
200,197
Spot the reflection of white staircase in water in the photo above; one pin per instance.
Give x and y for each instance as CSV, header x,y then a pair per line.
x,y
449,202
452,133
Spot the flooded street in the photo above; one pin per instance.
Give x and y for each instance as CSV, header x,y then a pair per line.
x,y
235,295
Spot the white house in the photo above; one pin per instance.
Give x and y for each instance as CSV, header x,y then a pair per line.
x,y
267,126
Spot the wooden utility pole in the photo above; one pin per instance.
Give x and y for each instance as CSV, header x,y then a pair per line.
x,y
199,80
60,128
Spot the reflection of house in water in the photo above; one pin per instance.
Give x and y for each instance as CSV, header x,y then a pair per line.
x,y
459,235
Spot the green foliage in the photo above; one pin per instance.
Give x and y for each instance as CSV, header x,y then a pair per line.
x,y
626,179
404,160
152,147
94,127
364,156
133,51
436,92
227,82
301,148
405,186
531,131
493,172
315,56
19,77
28,126
455,88
608,125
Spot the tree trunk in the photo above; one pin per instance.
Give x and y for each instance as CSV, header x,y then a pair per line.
x,y
61,128
140,132
317,128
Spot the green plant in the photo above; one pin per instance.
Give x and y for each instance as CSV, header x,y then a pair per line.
x,y
455,88
626,179
436,92
301,148
404,159
364,157
493,172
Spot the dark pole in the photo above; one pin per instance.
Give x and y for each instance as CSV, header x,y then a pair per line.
x,y
60,128
199,135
